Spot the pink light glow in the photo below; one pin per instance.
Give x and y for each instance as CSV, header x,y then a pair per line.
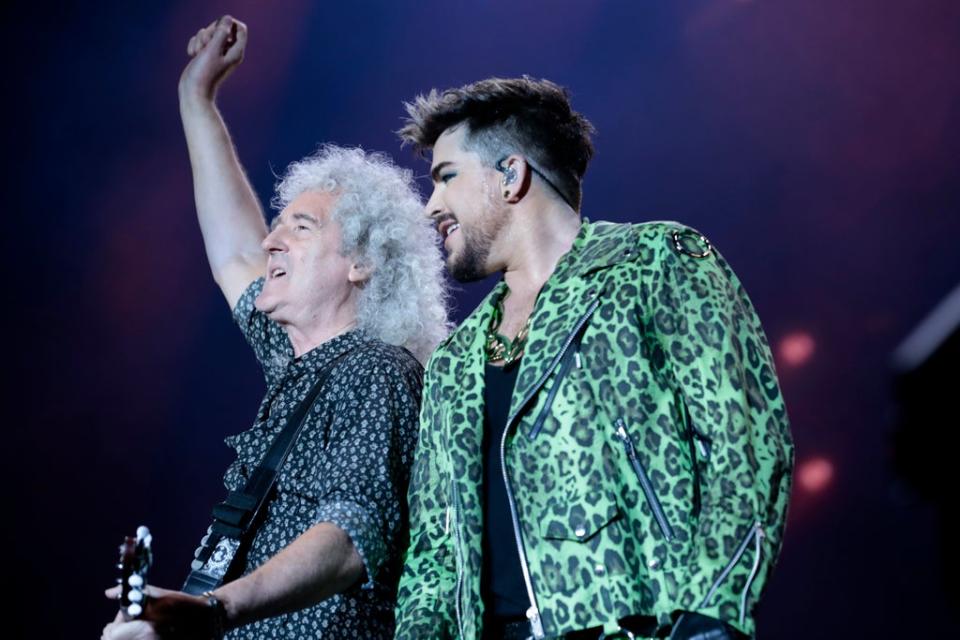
x,y
797,348
815,475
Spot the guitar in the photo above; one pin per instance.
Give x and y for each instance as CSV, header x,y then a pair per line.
x,y
135,560
214,563
221,555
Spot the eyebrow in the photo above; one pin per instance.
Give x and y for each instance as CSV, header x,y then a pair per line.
x,y
435,171
296,216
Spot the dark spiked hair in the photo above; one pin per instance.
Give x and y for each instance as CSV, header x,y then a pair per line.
x,y
530,117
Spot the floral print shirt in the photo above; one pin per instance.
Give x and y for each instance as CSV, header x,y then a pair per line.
x,y
349,466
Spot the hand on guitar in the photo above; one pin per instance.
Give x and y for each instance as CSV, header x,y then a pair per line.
x,y
167,615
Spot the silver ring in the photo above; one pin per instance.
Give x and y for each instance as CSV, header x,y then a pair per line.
x,y
693,254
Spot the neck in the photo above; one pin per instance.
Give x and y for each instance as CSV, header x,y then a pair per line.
x,y
321,327
540,236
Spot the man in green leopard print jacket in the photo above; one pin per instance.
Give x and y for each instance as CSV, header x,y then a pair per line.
x,y
603,443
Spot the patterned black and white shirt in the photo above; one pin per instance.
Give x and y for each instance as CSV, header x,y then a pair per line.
x,y
350,467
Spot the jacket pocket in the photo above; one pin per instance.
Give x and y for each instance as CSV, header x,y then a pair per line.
x,y
579,522
652,501
579,546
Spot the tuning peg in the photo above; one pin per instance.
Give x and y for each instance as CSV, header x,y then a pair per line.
x,y
135,581
134,610
196,565
135,596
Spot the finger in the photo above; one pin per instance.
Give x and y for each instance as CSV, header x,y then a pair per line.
x,y
204,34
241,34
136,630
191,46
203,37
210,39
113,592
156,592
214,45
236,44
230,25
207,33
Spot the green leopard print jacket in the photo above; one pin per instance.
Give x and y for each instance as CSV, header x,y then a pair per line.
x,y
649,453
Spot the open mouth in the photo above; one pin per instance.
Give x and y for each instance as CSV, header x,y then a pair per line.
x,y
447,227
277,272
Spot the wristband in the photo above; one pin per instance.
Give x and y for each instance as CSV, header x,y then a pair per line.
x,y
219,615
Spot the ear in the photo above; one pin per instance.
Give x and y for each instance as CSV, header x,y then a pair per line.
x,y
514,179
359,274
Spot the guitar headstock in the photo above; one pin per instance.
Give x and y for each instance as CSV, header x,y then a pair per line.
x,y
135,560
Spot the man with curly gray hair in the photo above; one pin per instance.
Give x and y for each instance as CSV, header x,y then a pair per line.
x,y
341,299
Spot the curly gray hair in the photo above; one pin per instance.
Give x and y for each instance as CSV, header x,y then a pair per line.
x,y
379,210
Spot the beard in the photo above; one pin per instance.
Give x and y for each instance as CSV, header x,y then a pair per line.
x,y
471,264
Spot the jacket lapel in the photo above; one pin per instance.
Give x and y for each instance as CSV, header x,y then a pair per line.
x,y
465,346
565,303
567,300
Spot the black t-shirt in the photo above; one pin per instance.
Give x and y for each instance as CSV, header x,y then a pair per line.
x,y
504,591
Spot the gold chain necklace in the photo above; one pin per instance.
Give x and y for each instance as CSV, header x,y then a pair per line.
x,y
497,346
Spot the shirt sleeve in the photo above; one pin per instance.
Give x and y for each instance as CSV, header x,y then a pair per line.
x,y
363,479
268,340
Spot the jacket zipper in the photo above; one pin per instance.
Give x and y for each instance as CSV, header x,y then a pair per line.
x,y
697,442
453,513
755,533
565,367
757,539
533,613
455,509
458,605
645,483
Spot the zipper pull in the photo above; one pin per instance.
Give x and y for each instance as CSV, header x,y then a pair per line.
x,y
446,525
576,360
758,535
536,625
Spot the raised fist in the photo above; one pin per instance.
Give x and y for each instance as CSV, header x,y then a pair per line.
x,y
215,51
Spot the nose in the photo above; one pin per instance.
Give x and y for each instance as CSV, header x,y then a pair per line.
x,y
274,241
434,207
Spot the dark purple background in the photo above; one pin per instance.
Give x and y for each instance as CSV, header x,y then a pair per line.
x,y
814,141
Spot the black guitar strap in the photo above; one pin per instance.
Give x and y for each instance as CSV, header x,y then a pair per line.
x,y
235,519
